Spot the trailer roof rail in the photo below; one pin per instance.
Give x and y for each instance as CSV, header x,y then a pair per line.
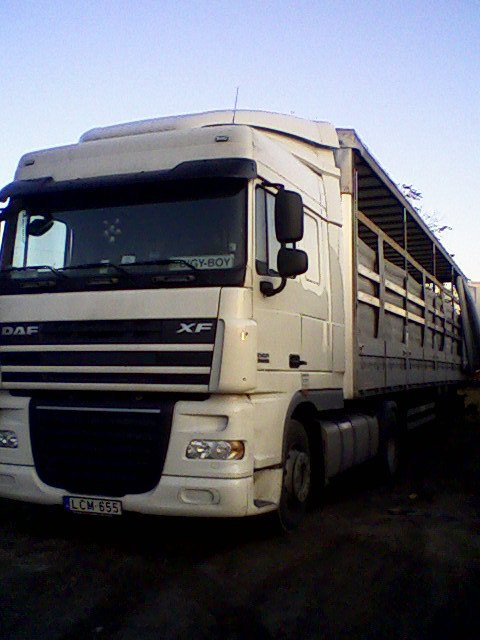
x,y
381,201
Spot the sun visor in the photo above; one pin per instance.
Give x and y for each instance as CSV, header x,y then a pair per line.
x,y
192,170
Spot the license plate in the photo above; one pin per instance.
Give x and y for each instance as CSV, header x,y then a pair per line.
x,y
97,506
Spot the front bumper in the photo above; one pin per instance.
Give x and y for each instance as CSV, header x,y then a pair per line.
x,y
173,496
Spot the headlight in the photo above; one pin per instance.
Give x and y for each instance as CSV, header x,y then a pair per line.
x,y
215,450
8,440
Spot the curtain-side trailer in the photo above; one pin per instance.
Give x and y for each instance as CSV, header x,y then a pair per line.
x,y
209,315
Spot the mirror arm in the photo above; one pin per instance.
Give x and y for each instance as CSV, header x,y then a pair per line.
x,y
273,185
268,290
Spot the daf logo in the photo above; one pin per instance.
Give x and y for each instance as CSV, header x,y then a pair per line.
x,y
19,330
194,327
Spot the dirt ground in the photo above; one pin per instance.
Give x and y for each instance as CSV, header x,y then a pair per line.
x,y
371,562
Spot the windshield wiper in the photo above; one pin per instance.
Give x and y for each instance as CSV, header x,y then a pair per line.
x,y
36,270
97,265
168,261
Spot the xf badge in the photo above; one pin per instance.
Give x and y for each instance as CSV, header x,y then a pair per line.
x,y
194,327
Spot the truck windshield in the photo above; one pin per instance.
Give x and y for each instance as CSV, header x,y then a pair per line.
x,y
189,233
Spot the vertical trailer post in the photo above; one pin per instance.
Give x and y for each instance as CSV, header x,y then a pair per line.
x,y
405,262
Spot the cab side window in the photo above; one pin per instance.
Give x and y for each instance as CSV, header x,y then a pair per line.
x,y
266,243
49,249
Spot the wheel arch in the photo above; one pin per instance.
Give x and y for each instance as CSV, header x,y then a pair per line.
x,y
306,408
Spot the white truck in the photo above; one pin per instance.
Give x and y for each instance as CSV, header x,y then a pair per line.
x,y
211,314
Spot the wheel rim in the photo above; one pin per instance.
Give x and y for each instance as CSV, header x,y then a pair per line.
x,y
298,475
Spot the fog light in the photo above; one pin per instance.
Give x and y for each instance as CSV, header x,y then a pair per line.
x,y
215,450
8,440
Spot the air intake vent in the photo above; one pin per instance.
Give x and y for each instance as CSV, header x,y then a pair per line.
x,y
121,355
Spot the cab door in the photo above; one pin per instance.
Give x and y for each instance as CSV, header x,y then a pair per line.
x,y
293,333
278,319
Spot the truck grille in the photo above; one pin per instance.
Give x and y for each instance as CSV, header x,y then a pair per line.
x,y
100,450
122,355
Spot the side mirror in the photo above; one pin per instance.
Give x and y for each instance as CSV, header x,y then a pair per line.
x,y
291,262
288,216
39,226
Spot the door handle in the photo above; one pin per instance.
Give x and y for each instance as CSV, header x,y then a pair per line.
x,y
295,362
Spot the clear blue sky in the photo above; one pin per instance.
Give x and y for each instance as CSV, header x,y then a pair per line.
x,y
405,75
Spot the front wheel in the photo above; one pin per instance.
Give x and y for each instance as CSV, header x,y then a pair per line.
x,y
296,485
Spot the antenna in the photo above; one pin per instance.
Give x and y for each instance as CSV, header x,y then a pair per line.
x,y
235,106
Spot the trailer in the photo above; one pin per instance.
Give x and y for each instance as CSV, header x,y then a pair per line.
x,y
213,314
406,327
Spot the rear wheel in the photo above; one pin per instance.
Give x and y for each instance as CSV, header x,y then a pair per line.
x,y
389,440
296,485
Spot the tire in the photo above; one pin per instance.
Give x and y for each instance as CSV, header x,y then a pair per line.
x,y
389,445
296,484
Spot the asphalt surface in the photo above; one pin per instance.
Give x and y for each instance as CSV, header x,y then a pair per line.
x,y
372,561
